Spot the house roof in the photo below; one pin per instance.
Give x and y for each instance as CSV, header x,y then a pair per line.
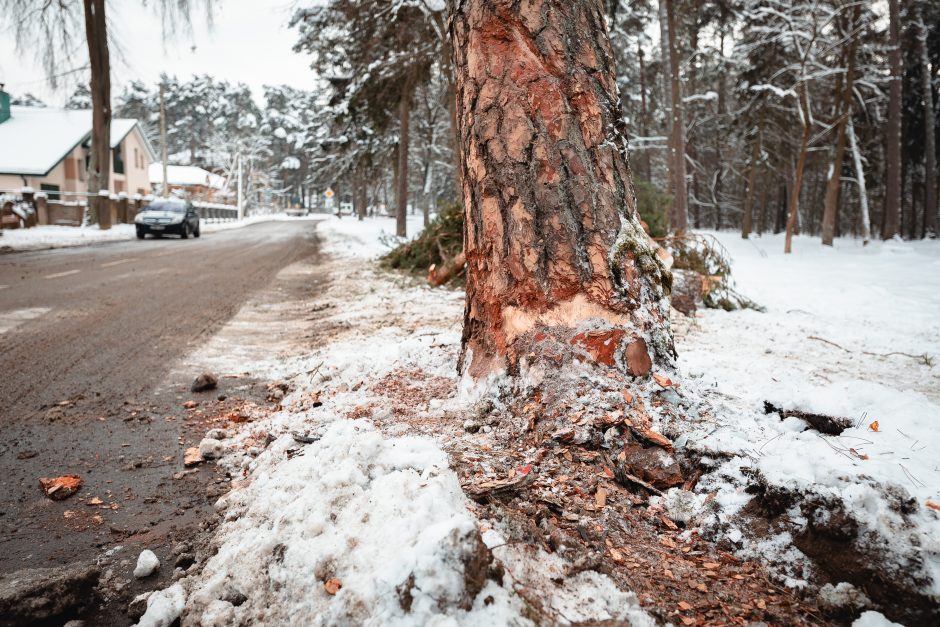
x,y
35,139
185,175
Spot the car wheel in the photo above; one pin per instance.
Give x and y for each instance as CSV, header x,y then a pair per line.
x,y
140,235
184,232
196,233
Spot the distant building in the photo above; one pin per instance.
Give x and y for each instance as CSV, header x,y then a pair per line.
x,y
195,182
48,150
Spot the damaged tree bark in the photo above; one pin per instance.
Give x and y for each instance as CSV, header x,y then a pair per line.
x,y
556,257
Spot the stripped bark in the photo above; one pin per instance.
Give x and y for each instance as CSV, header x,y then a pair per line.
x,y
554,248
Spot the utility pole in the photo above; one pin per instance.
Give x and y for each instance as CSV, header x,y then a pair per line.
x,y
165,189
238,197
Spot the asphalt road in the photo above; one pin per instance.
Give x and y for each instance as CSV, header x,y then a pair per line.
x,y
88,341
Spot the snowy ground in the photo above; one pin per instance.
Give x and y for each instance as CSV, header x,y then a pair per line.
x,y
849,332
51,236
345,508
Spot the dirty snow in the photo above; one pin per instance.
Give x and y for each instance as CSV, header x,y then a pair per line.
x,y
379,512
864,306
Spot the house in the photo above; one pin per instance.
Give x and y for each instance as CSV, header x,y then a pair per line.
x,y
47,150
196,182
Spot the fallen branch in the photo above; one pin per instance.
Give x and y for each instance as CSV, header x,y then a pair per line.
x,y
924,358
439,275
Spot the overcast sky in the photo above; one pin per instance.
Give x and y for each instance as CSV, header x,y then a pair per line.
x,y
249,43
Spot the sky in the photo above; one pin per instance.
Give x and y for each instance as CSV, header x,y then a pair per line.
x,y
249,42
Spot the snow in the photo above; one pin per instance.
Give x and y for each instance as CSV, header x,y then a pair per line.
x,y
368,239
376,508
147,564
870,301
185,175
54,236
874,619
35,139
163,607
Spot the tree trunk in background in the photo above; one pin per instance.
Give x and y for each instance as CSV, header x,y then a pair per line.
x,y
865,219
556,257
893,138
401,196
930,148
800,166
644,117
99,164
664,74
748,217
834,184
679,218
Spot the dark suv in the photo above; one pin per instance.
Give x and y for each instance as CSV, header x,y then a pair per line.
x,y
176,217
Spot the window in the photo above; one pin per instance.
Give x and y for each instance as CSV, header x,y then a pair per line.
x,y
70,170
136,159
52,191
80,166
118,160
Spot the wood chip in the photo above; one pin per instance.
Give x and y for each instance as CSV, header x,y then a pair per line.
x,y
332,586
600,497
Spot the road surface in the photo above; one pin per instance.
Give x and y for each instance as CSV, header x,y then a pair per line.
x,y
88,340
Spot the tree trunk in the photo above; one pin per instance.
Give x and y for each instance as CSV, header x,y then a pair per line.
x,y
679,218
665,86
930,177
860,178
557,261
99,164
893,150
834,184
748,217
401,196
800,166
644,117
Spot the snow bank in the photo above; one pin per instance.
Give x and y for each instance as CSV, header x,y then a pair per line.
x,y
384,517
829,343
366,239
53,236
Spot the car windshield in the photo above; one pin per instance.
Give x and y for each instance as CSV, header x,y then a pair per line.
x,y
166,205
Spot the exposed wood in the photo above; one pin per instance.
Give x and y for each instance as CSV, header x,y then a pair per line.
x,y
439,275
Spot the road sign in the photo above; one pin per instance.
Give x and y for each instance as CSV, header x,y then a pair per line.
x,y
328,193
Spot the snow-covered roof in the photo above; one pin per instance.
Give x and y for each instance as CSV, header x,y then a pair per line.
x,y
185,175
35,139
